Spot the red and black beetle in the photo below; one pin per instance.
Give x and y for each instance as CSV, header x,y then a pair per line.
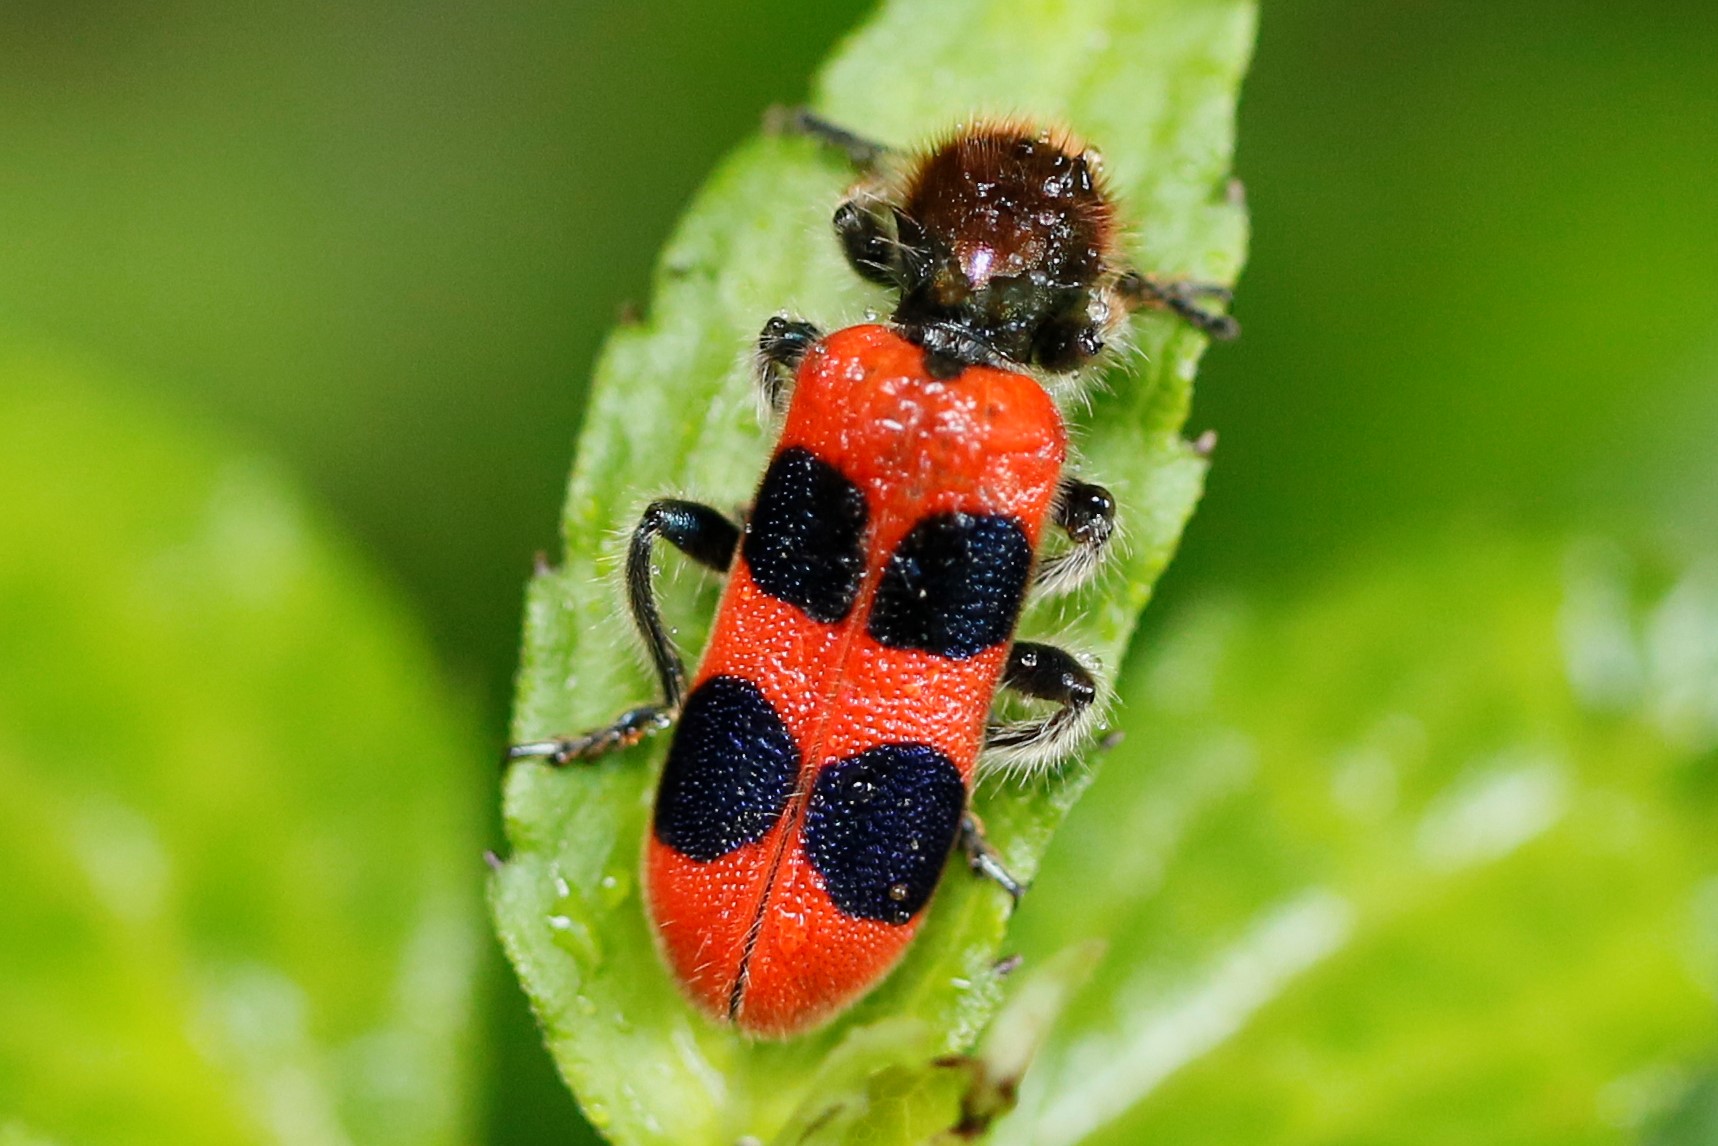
x,y
827,747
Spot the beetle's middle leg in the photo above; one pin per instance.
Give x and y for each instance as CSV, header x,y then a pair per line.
x,y
704,535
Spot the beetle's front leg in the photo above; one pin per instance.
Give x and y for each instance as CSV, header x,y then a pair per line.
x,y
783,344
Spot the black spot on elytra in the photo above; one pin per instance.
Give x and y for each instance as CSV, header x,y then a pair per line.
x,y
879,826
953,586
805,542
730,771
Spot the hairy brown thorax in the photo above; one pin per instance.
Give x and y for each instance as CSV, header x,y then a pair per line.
x,y
1000,245
1005,234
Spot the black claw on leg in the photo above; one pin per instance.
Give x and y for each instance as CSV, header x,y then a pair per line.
x,y
984,860
628,729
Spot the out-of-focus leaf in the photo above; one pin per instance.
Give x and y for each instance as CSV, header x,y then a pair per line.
x,y
1692,1118
1428,858
17,1134
237,823
1153,83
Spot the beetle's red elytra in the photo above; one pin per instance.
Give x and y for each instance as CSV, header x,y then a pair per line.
x,y
886,698
825,753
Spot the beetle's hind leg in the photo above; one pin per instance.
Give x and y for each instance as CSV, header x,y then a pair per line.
x,y
1043,672
1087,514
707,537
984,860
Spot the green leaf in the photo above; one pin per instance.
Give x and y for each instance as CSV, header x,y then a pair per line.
x,y
883,1079
236,804
17,1134
1153,83
1426,858
1691,1119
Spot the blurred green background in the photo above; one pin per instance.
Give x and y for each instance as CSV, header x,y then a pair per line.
x,y
378,244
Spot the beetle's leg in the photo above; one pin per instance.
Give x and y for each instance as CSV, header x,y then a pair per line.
x,y
1087,514
871,238
865,154
782,346
869,231
1180,297
1044,672
984,860
707,537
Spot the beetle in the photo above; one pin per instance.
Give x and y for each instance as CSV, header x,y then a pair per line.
x,y
825,753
